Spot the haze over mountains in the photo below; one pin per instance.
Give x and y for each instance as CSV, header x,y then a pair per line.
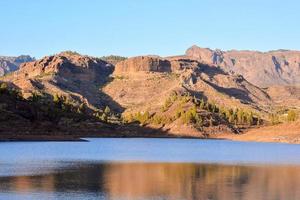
x,y
10,63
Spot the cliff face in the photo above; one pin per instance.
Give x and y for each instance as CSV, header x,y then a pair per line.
x,y
140,64
10,64
143,63
260,68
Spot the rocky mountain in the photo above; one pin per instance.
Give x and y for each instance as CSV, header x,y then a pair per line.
x,y
10,64
160,85
75,76
264,69
180,96
205,81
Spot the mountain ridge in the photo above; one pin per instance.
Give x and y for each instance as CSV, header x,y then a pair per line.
x,y
11,63
180,96
280,67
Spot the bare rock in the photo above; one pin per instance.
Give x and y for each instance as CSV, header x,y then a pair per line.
x,y
263,69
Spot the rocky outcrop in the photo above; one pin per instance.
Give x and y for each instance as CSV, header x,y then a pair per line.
x,y
155,64
263,69
143,63
70,74
10,64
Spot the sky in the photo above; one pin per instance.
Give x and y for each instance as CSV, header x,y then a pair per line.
x,y
143,27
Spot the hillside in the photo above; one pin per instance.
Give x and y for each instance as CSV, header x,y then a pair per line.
x,y
264,69
10,64
69,74
170,88
148,96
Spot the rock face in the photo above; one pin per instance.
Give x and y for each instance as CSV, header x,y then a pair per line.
x,y
154,64
10,64
143,63
263,69
137,87
72,75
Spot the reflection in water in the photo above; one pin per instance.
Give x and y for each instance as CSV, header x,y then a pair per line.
x,y
161,181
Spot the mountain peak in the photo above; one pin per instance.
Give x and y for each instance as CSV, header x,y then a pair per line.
x,y
280,67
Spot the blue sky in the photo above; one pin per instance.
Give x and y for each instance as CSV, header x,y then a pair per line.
x,y
136,27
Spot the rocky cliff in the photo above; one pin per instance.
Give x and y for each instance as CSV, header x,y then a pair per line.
x,y
263,69
10,64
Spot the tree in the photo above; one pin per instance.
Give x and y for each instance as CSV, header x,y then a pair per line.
x,y
35,97
81,108
292,116
250,118
107,110
274,118
3,88
258,121
202,104
240,116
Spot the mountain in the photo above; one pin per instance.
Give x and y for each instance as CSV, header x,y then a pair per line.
x,y
69,74
10,64
179,96
264,69
169,88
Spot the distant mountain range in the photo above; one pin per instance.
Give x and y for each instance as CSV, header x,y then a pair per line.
x,y
9,63
281,67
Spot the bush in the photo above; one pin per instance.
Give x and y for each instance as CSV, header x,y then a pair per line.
x,y
107,110
3,88
81,108
274,118
143,118
35,97
292,116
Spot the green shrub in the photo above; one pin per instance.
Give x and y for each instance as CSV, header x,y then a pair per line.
x,y
107,110
274,119
3,88
292,116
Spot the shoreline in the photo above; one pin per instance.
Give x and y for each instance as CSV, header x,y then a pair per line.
x,y
283,133
47,138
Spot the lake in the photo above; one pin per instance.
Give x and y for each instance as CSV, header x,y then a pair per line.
x,y
145,169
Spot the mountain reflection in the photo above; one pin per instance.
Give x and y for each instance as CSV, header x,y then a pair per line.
x,y
164,181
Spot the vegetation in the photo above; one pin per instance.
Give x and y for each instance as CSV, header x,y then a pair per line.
x,y
291,116
3,88
113,59
58,109
274,118
195,111
71,52
106,115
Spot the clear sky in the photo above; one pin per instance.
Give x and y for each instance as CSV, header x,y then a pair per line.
x,y
136,27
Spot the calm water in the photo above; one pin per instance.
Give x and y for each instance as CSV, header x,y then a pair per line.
x,y
149,169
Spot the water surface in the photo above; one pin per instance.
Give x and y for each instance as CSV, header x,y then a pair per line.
x,y
149,169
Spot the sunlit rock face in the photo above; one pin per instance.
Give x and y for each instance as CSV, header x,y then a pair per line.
x,y
143,63
281,67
